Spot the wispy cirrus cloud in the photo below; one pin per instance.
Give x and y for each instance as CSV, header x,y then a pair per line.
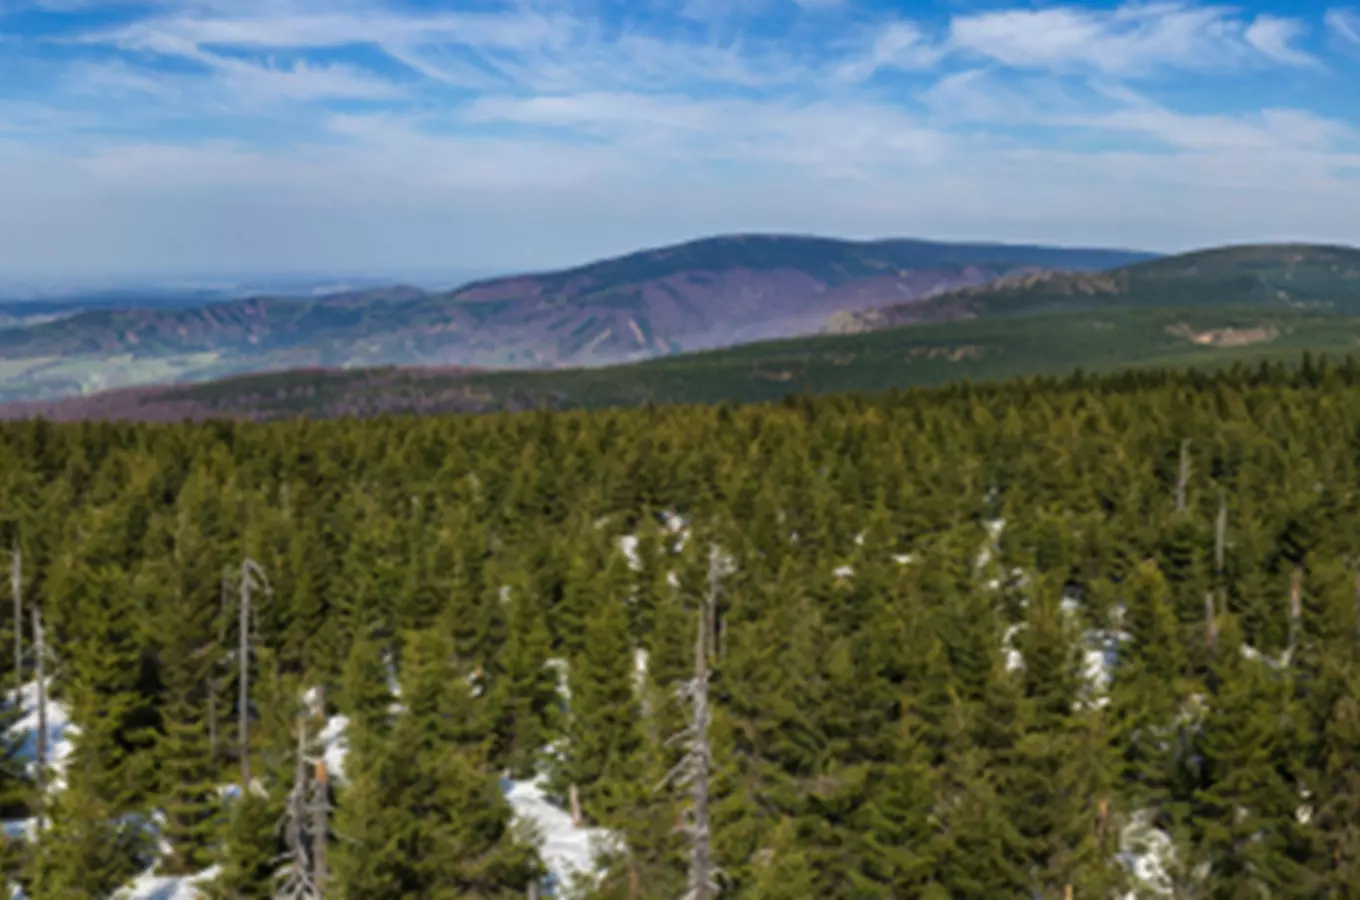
x,y
1345,23
538,131
1131,40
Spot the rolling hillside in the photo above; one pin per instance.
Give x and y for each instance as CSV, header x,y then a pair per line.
x,y
1280,276
704,294
981,349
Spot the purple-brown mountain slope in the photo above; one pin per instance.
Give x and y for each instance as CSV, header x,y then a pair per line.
x,y
704,294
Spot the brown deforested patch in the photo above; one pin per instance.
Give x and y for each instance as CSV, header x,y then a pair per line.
x,y
953,354
1225,337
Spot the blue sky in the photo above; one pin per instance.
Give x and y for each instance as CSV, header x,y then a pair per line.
x,y
396,136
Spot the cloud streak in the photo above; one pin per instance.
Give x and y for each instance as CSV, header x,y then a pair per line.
x,y
540,131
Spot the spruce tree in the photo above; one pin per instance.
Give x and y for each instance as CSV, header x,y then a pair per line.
x,y
250,855
523,690
602,755
446,829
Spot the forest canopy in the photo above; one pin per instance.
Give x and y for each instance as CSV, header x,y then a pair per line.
x,y
1084,637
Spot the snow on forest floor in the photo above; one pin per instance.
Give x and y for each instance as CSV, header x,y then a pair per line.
x,y
570,852
57,739
165,887
567,851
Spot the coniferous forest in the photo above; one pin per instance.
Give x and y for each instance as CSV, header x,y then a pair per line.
x,y
1080,638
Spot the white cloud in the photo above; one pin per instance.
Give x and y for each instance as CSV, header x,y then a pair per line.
x,y
566,138
1345,23
1131,40
1275,37
1270,132
898,45
325,29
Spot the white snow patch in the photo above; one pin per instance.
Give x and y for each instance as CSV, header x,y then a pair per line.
x,y
1014,660
640,659
149,886
334,745
628,544
57,741
1274,662
568,852
1149,854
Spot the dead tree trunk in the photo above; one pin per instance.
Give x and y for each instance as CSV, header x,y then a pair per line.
x,y
40,664
1295,608
702,885
298,883
1210,623
1183,479
320,809
243,664
1357,604
574,801
1220,536
694,767
16,586
252,576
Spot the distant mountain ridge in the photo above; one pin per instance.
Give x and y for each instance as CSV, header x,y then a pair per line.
x,y
1287,276
703,294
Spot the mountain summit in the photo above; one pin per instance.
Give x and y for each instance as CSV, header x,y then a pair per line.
x,y
703,294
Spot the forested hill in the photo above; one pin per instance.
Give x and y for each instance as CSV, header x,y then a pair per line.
x,y
1276,277
1093,638
714,292
983,349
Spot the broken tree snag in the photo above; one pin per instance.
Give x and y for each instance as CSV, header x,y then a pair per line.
x,y
16,586
1295,606
252,576
321,808
1210,622
1220,535
702,885
243,664
1183,479
1357,603
40,749
574,799
297,883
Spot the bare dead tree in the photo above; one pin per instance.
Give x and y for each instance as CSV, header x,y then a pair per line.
x,y
40,664
252,576
574,801
1210,622
319,803
1357,604
1220,535
16,586
694,768
298,882
1183,479
1295,607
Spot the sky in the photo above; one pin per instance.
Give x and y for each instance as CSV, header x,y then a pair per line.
x,y
376,137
